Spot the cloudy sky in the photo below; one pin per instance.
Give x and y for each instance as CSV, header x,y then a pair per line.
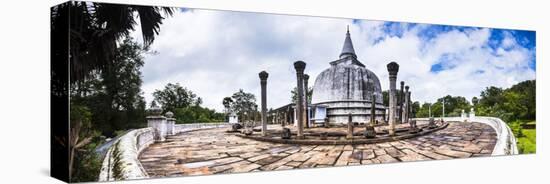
x,y
216,53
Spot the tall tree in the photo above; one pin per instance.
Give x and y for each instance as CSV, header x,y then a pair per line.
x,y
175,96
227,103
114,94
243,102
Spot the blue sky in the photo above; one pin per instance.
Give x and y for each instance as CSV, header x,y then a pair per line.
x,y
215,53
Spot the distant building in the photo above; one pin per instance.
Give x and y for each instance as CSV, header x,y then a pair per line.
x,y
233,118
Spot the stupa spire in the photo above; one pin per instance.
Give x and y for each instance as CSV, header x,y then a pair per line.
x,y
347,50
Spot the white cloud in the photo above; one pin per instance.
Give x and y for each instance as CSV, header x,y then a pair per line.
x,y
214,53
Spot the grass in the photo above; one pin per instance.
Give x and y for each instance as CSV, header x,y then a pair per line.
x,y
527,142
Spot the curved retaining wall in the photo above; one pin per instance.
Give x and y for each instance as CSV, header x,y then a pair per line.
x,y
506,141
121,161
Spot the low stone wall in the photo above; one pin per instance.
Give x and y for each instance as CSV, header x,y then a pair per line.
x,y
121,160
506,141
178,128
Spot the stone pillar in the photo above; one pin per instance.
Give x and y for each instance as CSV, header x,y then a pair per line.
x,y
410,113
300,66
406,112
263,82
158,123
306,114
373,110
393,68
400,102
170,123
472,113
350,128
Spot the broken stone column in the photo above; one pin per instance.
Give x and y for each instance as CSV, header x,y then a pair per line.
x,y
369,130
306,78
263,82
406,112
285,134
350,128
170,123
431,123
412,127
158,123
300,66
393,68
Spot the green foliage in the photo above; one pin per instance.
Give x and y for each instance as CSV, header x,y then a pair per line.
x,y
515,103
528,142
294,93
186,106
175,96
87,165
113,95
197,114
244,102
96,29
453,107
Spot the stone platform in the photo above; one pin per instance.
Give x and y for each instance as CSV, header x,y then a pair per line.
x,y
337,135
214,151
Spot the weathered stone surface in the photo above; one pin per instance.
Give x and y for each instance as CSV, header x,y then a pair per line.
x,y
216,151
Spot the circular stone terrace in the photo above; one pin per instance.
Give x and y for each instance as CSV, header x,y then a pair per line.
x,y
211,151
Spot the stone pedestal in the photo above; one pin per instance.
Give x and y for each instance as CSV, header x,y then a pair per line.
x,y
236,127
170,123
158,123
431,123
286,133
393,68
263,82
412,127
369,132
326,123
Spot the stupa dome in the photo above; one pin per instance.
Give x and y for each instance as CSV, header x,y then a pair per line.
x,y
346,79
347,87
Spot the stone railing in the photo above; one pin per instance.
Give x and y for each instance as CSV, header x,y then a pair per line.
x,y
506,141
196,126
121,160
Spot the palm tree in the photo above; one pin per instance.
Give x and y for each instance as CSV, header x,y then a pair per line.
x,y
84,37
95,28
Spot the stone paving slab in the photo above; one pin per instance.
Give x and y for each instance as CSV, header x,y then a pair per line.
x,y
214,151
